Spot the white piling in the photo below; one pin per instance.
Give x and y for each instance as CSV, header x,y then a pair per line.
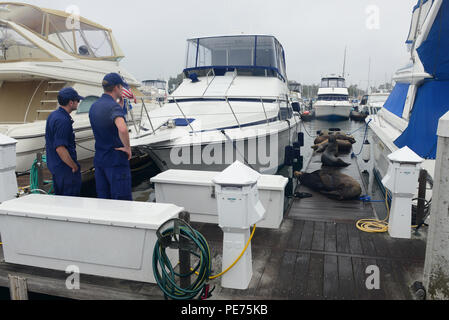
x,y
436,271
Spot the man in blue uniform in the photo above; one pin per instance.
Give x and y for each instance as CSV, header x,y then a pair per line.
x,y
113,151
61,148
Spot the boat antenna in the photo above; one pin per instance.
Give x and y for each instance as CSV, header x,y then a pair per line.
x,y
369,75
344,63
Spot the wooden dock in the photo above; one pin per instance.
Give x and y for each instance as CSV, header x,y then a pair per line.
x,y
317,254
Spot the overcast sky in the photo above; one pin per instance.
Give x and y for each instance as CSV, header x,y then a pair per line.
x,y
314,33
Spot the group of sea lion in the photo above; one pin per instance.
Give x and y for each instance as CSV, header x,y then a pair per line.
x,y
329,181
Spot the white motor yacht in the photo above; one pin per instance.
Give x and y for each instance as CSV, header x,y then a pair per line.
x,y
232,105
373,103
156,90
333,100
39,55
421,95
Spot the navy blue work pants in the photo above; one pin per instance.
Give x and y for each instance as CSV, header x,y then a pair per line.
x,y
113,183
66,183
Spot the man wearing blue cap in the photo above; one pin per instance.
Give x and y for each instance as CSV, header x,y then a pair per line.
x,y
112,146
61,148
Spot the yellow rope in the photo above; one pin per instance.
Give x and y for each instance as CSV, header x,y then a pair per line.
x,y
373,225
376,226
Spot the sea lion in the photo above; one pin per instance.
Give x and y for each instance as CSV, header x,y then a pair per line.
x,y
330,156
338,135
331,183
344,146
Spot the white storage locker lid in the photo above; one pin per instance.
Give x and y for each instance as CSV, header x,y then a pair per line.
x,y
204,178
140,215
186,177
267,182
6,141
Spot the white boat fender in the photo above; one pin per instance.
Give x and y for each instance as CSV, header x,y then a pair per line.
x,y
366,151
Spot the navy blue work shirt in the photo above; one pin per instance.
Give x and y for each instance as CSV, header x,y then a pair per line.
x,y
102,115
59,133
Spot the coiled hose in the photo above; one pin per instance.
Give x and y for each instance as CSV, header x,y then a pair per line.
x,y
164,272
34,178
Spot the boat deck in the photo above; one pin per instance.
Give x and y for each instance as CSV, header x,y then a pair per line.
x,y
318,253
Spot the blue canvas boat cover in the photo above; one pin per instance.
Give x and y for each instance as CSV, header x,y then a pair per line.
x,y
434,51
396,101
432,102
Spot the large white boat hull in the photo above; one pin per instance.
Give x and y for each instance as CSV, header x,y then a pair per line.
x,y
332,111
265,153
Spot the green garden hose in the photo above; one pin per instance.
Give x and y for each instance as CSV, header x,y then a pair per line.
x,y
34,178
163,269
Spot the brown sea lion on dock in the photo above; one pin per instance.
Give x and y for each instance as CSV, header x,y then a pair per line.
x,y
331,183
330,155
339,135
344,146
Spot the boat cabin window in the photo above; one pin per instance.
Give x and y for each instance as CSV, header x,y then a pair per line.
x,y
85,41
14,46
253,55
333,97
155,84
295,87
86,104
333,83
364,101
378,98
79,38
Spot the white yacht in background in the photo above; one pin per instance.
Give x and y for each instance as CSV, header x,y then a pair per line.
x,y
156,90
421,95
233,104
38,57
333,100
373,103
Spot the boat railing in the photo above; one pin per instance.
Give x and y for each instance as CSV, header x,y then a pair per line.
x,y
228,99
208,75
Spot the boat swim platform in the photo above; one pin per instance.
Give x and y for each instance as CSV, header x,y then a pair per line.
x,y
317,254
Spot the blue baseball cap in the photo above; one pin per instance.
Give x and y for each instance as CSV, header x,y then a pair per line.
x,y
114,79
68,94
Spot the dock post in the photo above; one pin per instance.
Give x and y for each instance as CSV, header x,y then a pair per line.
x,y
184,254
18,288
436,271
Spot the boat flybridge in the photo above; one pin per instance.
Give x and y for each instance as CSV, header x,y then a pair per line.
x,y
232,105
421,95
333,99
39,55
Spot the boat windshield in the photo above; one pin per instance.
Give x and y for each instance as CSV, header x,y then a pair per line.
x,y
295,87
333,97
262,53
156,84
378,98
82,38
333,83
15,47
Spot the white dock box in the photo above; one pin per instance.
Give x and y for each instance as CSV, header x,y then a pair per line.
x,y
194,191
106,238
